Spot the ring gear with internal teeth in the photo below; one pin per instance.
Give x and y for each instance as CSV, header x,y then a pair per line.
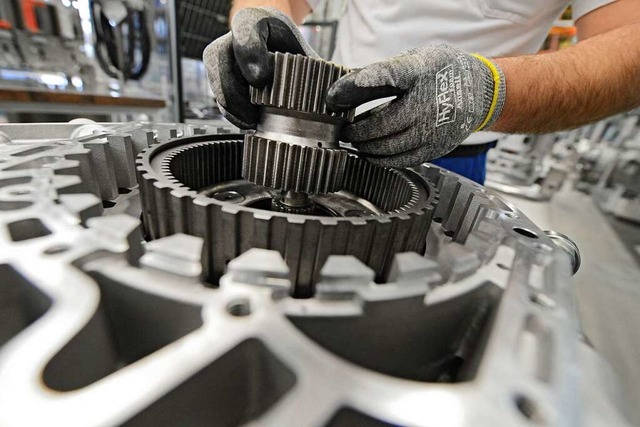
x,y
173,175
295,147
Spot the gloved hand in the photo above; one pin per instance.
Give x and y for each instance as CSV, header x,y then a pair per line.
x,y
240,58
443,95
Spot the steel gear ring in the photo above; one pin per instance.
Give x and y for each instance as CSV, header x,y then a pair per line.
x,y
195,186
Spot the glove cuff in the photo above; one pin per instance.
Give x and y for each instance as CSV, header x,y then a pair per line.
x,y
494,93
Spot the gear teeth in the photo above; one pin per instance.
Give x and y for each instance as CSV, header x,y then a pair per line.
x,y
278,206
297,168
301,83
172,173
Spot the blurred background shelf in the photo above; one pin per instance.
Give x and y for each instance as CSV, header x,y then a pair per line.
x,y
33,100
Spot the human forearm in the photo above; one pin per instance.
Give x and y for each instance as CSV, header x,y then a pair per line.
x,y
295,9
596,78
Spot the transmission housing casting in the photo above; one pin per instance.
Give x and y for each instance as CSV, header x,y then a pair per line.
x,y
143,282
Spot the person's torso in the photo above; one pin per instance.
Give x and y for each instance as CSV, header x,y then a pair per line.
x,y
372,30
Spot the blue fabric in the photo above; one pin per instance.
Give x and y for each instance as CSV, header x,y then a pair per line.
x,y
472,167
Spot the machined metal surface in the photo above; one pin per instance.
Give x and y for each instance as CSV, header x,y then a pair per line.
x,y
295,146
101,327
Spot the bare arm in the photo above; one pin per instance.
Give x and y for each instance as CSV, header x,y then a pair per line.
x,y
296,9
598,77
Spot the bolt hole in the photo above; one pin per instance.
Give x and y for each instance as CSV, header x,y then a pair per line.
x,y
239,307
449,233
437,219
57,249
526,233
528,409
502,266
319,144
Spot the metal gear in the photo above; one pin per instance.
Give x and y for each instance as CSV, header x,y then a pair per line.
x,y
295,146
194,186
292,167
301,83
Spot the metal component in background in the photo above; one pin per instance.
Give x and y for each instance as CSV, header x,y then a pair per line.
x,y
200,22
198,181
43,48
529,166
295,146
105,330
610,166
320,29
321,36
10,57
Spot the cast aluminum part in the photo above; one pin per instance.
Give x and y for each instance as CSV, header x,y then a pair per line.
x,y
609,167
101,328
528,166
295,146
618,191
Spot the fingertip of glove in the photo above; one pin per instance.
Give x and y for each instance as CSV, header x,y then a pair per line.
x,y
258,75
242,124
338,95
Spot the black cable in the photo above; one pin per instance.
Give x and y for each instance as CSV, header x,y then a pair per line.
x,y
123,46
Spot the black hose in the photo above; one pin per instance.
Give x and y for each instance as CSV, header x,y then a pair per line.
x,y
123,48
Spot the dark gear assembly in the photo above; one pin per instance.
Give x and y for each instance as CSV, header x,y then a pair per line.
x,y
429,117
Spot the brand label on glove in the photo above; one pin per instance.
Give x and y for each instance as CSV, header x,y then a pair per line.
x,y
446,95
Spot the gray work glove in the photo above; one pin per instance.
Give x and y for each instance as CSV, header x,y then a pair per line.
x,y
443,95
241,58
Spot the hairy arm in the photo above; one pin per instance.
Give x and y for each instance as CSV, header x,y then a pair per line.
x,y
296,9
598,77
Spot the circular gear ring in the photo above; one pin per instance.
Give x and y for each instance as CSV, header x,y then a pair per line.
x,y
387,211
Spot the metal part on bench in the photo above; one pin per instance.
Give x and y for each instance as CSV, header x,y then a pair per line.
x,y
526,166
102,328
295,146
